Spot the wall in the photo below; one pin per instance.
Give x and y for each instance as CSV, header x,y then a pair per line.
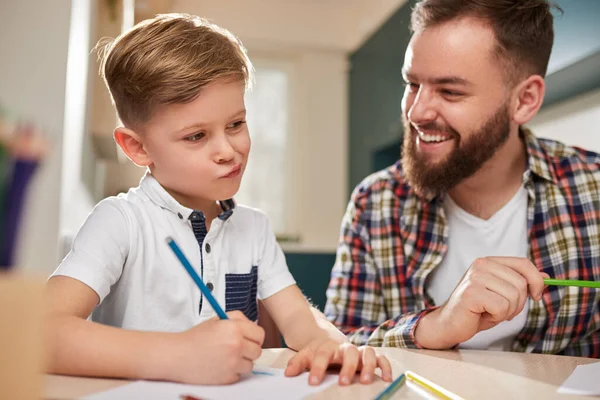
x,y
575,59
376,89
47,45
311,24
79,172
34,39
318,174
574,121
576,33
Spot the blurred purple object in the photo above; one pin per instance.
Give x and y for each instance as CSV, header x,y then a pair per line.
x,y
14,202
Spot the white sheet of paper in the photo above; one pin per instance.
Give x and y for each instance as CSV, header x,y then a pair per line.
x,y
583,381
269,384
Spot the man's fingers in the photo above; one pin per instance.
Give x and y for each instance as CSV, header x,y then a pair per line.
x,y
495,305
508,284
525,267
484,282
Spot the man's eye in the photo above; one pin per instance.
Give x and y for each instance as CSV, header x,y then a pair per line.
x,y
451,93
413,87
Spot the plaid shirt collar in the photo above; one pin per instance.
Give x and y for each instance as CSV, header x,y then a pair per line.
x,y
538,160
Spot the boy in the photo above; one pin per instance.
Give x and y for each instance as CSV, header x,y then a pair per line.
x,y
178,85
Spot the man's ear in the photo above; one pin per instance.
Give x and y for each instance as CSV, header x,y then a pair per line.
x,y
529,99
132,145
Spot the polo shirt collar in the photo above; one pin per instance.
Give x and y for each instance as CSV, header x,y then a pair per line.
x,y
157,194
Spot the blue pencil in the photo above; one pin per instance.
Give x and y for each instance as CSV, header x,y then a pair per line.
x,y
389,391
207,294
188,267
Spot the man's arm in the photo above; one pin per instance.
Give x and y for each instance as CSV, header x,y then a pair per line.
x,y
355,300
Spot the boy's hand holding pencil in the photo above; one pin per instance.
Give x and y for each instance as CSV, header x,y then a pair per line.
x,y
218,351
231,341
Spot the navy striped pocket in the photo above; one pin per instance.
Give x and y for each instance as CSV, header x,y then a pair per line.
x,y
240,293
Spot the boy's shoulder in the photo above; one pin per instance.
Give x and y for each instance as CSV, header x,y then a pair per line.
x,y
122,211
126,202
249,216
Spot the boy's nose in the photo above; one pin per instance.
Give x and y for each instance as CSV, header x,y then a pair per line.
x,y
224,151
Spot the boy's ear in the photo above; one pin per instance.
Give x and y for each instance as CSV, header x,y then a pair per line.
x,y
529,99
132,145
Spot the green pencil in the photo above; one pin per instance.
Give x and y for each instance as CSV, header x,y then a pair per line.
x,y
562,282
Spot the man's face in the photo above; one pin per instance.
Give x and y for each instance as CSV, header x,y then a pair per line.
x,y
455,107
199,150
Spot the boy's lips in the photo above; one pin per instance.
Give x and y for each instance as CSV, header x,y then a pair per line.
x,y
233,172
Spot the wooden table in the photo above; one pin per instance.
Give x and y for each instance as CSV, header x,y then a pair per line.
x,y
471,374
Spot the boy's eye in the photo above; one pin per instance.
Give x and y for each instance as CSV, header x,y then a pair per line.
x,y
195,137
236,124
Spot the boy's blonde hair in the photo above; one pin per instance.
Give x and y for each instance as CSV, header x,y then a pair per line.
x,y
168,60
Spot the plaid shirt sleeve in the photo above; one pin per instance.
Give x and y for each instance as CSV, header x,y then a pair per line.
x,y
355,295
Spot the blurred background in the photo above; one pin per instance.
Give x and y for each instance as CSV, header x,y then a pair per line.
x,y
324,113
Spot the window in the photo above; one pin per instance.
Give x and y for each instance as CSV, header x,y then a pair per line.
x,y
268,115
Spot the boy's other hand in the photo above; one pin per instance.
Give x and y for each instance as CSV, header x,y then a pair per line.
x,y
319,355
216,351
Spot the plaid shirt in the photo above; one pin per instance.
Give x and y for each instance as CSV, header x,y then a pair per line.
x,y
392,239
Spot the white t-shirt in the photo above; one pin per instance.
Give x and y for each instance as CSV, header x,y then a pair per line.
x,y
469,237
122,254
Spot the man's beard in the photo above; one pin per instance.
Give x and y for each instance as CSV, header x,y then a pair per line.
x,y
469,154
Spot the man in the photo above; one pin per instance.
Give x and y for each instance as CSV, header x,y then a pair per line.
x,y
450,245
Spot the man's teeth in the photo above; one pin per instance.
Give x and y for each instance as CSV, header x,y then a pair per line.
x,y
433,138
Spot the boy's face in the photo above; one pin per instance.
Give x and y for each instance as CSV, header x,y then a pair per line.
x,y
455,107
199,150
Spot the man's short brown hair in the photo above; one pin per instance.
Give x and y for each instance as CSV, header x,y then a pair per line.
x,y
168,60
523,28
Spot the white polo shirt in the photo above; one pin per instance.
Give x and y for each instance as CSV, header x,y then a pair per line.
x,y
122,254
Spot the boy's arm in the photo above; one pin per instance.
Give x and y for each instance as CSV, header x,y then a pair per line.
x,y
318,342
298,322
81,347
272,334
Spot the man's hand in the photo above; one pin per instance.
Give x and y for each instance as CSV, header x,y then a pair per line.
x,y
319,355
493,290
